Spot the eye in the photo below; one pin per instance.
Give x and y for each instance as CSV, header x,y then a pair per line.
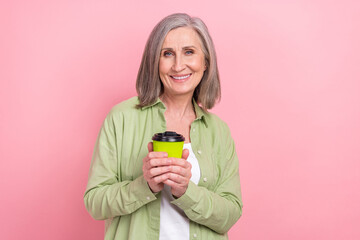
x,y
189,52
167,54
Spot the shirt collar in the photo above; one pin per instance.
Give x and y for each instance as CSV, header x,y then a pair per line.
x,y
158,101
199,112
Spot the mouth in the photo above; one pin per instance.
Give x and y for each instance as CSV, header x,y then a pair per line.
x,y
180,77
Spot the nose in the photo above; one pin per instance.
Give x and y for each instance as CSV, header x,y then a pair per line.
x,y
178,65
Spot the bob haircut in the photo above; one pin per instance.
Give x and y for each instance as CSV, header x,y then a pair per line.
x,y
148,84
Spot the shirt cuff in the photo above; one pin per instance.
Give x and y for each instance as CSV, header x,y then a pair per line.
x,y
141,190
189,198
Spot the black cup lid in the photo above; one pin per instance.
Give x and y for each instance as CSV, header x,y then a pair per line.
x,y
168,137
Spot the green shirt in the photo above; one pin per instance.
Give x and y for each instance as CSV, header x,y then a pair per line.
x,y
118,193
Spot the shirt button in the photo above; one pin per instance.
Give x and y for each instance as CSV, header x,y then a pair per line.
x,y
195,235
205,179
193,129
147,198
199,151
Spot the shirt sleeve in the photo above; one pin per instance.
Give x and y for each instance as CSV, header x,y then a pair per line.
x,y
105,196
219,209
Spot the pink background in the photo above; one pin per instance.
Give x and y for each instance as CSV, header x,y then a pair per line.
x,y
291,96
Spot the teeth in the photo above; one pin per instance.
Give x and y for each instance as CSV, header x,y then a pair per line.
x,y
179,78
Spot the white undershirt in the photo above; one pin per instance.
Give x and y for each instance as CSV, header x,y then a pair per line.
x,y
174,225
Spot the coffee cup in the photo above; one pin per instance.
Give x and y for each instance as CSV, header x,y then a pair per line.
x,y
170,142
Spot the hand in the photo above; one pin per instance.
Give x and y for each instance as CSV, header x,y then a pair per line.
x,y
155,167
179,175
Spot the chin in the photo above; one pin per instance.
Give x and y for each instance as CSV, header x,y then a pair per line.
x,y
179,92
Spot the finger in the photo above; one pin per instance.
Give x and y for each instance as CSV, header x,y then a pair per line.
x,y
178,179
185,154
185,172
150,146
174,185
180,162
157,154
160,178
159,171
156,162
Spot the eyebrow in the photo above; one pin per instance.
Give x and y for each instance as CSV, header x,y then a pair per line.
x,y
186,47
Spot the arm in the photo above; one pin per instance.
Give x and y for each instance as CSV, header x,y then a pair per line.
x,y
106,195
218,210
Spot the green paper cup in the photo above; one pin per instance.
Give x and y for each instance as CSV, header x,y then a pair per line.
x,y
170,142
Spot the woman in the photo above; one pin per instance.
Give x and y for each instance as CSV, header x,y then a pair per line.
x,y
143,194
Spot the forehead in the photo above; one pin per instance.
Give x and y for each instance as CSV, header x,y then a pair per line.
x,y
183,36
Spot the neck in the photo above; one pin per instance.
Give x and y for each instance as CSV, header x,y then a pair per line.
x,y
178,106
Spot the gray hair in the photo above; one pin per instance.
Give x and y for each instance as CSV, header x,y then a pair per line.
x,y
148,84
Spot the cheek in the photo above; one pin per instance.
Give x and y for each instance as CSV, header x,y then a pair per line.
x,y
198,64
164,66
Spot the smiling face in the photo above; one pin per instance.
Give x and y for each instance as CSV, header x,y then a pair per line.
x,y
182,62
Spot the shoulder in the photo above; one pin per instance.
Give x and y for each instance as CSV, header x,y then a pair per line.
x,y
123,110
218,130
128,105
215,123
